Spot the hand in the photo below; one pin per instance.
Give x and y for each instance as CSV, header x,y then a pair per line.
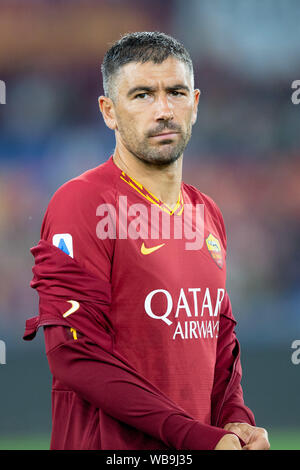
x,y
255,438
229,442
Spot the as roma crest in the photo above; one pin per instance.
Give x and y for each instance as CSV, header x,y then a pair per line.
x,y
214,247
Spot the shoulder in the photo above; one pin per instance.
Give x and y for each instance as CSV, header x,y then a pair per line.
x,y
211,208
71,217
75,203
96,184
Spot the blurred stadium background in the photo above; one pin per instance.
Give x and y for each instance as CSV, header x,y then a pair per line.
x,y
244,153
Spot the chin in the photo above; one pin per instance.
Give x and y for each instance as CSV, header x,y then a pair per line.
x,y
161,158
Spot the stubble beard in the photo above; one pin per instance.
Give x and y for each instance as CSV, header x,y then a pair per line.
x,y
162,153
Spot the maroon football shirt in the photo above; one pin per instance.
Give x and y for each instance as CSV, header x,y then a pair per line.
x,y
166,269
165,303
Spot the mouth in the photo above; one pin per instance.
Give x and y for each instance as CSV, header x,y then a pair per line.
x,y
165,135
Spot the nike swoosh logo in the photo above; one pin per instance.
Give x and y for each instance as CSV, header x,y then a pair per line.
x,y
147,251
75,306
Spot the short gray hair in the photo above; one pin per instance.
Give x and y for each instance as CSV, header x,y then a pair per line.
x,y
141,47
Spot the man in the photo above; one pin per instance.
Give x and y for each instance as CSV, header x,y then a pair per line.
x,y
138,324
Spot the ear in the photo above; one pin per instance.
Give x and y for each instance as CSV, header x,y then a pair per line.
x,y
107,109
197,94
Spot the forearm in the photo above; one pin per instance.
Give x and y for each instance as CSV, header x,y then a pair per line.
x,y
227,396
107,383
234,410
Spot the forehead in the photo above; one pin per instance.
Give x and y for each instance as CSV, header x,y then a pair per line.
x,y
167,73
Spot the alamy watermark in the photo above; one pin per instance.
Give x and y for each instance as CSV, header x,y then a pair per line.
x,y
296,94
2,92
2,352
136,221
295,358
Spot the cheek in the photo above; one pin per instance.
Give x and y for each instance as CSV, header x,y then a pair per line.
x,y
191,118
184,112
129,127
123,122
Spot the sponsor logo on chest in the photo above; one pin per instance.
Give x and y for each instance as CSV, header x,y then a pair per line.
x,y
192,314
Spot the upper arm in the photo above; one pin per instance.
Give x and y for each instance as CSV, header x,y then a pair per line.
x,y
70,223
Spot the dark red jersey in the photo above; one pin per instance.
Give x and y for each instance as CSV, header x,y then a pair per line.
x,y
142,287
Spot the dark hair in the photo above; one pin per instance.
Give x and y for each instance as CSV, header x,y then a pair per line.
x,y
141,47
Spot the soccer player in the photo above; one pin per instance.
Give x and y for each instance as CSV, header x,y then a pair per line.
x,y
131,275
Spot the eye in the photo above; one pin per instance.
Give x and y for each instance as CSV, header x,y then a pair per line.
x,y
177,93
141,96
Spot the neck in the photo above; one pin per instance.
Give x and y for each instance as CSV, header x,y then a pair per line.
x,y
164,181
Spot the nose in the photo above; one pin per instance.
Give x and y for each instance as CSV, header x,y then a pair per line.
x,y
164,111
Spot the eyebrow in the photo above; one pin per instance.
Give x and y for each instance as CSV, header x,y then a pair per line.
x,y
141,88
